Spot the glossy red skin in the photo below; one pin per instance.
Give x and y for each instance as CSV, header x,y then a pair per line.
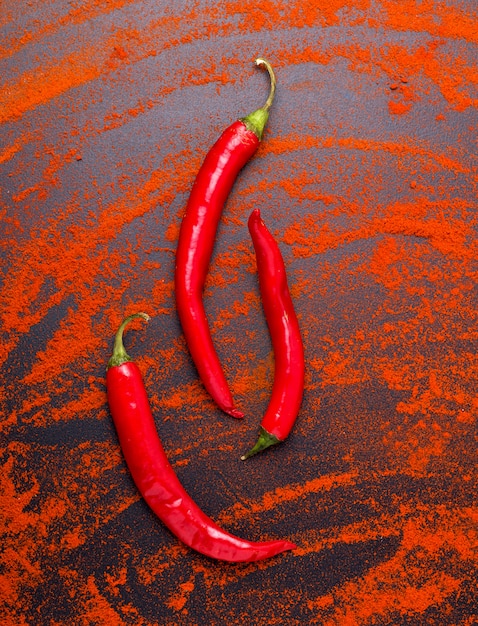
x,y
157,482
211,188
288,387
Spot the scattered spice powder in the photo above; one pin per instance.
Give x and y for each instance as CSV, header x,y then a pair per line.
x,y
368,176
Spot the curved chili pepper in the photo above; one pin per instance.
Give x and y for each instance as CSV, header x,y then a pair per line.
x,y
153,474
213,183
288,386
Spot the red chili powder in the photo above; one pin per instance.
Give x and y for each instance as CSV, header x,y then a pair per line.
x,y
77,259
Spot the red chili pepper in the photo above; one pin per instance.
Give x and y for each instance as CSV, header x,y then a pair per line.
x,y
288,386
213,183
153,474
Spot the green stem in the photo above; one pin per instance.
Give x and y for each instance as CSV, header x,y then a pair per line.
x,y
257,120
120,355
265,440
272,91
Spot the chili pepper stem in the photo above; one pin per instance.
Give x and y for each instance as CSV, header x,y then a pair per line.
x,y
120,355
265,440
257,120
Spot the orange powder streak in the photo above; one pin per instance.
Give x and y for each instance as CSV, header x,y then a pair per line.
x,y
10,151
78,15
39,86
427,156
438,19
424,60
395,588
65,258
288,494
409,219
396,60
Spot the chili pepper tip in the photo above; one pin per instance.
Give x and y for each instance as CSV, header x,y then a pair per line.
x,y
235,413
120,355
265,440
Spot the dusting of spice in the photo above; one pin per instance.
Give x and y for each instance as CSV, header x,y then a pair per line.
x,y
367,180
